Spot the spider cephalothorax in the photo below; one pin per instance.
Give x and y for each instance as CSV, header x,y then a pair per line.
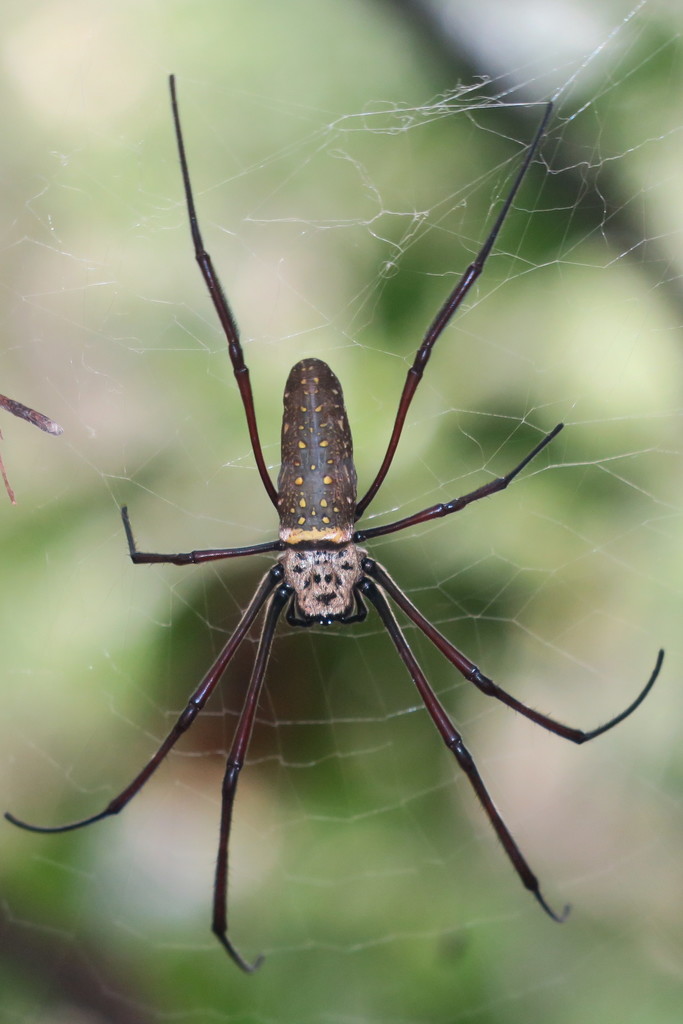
x,y
321,576
324,582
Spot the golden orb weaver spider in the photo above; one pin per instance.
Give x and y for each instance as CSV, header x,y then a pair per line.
x,y
322,576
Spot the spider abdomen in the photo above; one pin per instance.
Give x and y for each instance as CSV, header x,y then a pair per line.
x,y
317,481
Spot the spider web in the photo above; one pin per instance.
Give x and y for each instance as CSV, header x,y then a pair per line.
x,y
343,181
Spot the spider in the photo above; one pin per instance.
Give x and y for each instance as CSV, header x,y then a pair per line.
x,y
38,419
321,575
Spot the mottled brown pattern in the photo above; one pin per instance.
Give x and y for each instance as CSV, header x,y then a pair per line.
x,y
324,580
317,481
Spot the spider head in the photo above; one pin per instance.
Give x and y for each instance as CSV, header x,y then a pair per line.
x,y
323,580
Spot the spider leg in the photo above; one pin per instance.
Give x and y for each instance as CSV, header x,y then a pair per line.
x,y
471,672
3,473
38,419
453,741
233,767
443,317
25,412
192,709
445,509
221,306
190,557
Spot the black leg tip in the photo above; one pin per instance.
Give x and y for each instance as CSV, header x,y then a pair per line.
x,y
236,957
561,917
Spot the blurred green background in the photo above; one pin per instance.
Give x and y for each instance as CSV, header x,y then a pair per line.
x,y
347,160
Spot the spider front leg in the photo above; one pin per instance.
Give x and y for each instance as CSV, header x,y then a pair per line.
x,y
444,316
454,742
236,757
487,686
195,704
190,557
221,305
457,504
